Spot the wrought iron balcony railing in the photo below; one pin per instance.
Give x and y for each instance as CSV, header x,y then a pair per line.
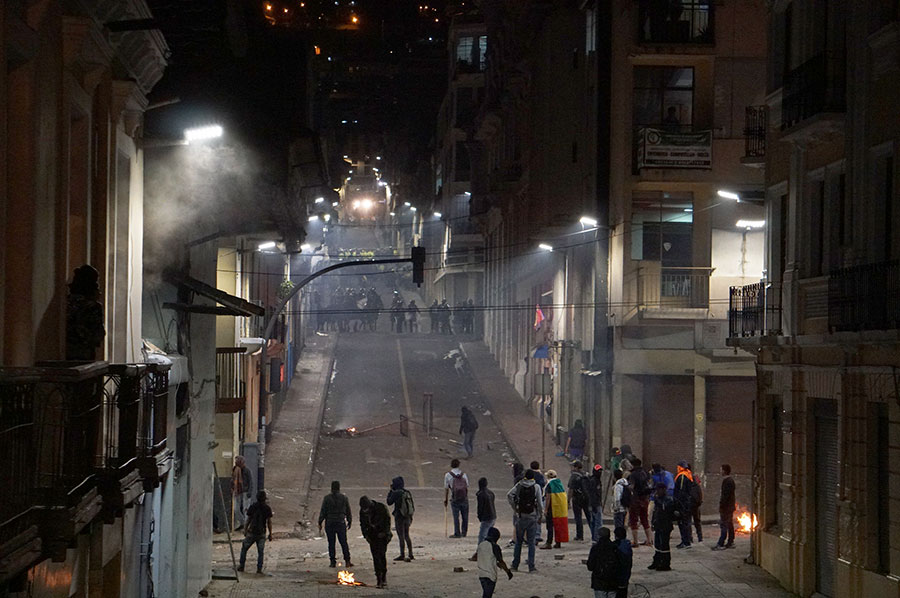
x,y
756,120
753,311
865,297
816,86
685,22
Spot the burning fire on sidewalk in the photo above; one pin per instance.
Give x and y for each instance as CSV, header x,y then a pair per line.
x,y
746,521
346,578
344,432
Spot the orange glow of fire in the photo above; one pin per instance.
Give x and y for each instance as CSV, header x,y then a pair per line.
x,y
746,520
351,430
345,578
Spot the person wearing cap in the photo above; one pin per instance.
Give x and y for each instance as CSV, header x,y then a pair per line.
x,y
595,499
664,516
489,557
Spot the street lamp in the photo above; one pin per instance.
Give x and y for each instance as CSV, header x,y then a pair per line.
x,y
728,194
588,221
437,214
202,133
545,247
320,199
313,218
750,224
266,245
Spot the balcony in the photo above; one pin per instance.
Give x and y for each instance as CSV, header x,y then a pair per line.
x,y
756,120
815,92
864,297
231,389
687,22
754,311
155,458
661,292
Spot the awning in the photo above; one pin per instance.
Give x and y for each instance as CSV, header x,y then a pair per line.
x,y
542,352
233,306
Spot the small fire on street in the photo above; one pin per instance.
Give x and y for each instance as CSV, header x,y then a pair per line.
x,y
746,520
346,578
344,432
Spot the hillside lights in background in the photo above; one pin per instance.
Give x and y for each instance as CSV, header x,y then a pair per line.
x,y
750,224
202,133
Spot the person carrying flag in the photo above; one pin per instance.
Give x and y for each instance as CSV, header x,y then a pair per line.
x,y
557,508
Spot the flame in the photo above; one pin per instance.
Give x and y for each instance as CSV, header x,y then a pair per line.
x,y
747,521
345,578
352,430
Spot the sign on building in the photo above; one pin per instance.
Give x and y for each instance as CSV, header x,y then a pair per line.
x,y
668,149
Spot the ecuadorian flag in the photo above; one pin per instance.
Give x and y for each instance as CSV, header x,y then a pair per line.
x,y
559,508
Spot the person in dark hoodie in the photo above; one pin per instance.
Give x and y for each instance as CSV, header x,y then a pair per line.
x,y
467,427
375,523
404,507
626,557
604,564
487,513
337,517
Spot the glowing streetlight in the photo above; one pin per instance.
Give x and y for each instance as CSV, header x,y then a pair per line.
x,y
437,214
266,245
588,221
750,224
406,203
327,217
320,199
728,195
313,218
412,208
545,247
202,133
305,247
393,213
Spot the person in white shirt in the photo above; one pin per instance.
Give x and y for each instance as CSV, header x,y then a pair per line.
x,y
489,557
619,510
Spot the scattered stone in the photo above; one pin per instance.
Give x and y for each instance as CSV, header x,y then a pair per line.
x,y
584,561
204,592
559,557
459,569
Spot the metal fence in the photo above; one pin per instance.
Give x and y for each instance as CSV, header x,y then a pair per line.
x,y
753,311
686,22
756,120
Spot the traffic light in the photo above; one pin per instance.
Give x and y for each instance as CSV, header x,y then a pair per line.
x,y
418,261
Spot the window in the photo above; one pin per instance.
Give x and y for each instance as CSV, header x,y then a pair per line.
x,y
817,228
662,228
471,52
462,162
664,97
681,22
465,106
879,449
590,43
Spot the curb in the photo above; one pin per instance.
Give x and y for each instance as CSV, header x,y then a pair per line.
x,y
314,441
497,422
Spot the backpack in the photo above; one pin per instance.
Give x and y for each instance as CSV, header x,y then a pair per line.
x,y
641,482
525,499
606,567
697,494
406,507
579,496
459,489
626,496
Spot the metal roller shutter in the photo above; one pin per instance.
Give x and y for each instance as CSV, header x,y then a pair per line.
x,y
826,458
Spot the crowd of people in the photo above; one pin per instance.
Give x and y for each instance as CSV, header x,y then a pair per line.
x,y
539,504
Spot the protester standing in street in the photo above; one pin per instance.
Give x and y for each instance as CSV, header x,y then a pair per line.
x,y
375,523
578,494
467,427
489,557
487,512
259,520
664,516
726,510
603,563
576,441
626,558
622,499
696,501
684,488
557,507
456,491
241,487
527,501
595,498
641,485
541,481
404,508
337,517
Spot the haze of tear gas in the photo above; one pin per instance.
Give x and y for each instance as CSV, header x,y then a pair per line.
x,y
193,191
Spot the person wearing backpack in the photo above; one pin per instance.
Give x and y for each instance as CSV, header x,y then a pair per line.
x,y
576,441
684,484
404,507
604,564
579,497
259,518
527,501
622,499
456,492
641,486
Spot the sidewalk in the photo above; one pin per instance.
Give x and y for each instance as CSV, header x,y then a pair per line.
x,y
295,436
521,428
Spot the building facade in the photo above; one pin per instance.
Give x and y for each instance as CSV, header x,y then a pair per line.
x,y
822,322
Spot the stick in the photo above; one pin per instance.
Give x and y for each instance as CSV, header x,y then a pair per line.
x,y
227,529
446,531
